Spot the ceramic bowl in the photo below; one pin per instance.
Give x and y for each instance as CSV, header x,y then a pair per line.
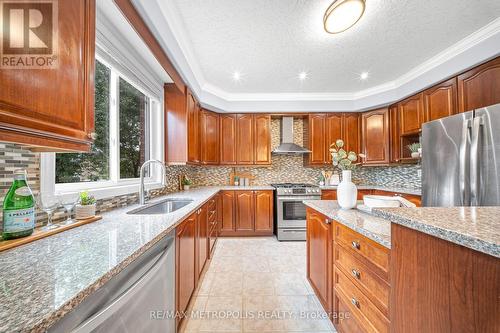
x,y
380,201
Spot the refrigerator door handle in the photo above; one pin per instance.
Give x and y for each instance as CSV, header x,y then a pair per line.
x,y
474,161
463,162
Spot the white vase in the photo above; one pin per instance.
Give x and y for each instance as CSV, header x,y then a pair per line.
x,y
347,192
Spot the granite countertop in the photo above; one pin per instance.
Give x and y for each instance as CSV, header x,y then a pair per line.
x,y
375,228
43,280
413,191
477,228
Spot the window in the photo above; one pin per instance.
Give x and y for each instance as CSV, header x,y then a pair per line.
x,y
93,166
127,120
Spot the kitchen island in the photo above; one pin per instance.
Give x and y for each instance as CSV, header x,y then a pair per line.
x,y
407,269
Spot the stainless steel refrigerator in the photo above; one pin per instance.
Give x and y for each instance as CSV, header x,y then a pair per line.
x,y
461,159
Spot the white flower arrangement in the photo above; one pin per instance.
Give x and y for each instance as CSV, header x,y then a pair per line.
x,y
342,159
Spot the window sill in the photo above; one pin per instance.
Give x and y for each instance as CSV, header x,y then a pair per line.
x,y
105,190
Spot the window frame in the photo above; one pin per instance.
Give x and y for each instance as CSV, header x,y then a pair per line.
x,y
114,186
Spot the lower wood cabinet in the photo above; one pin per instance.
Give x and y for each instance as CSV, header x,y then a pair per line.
x,y
186,273
332,194
319,256
247,213
202,237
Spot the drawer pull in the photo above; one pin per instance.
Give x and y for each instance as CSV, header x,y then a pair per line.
x,y
355,245
355,302
356,273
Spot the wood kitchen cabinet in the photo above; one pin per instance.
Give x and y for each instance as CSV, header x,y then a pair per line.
x,y
319,243
244,139
411,115
264,211
375,136
247,213
333,132
395,139
209,137
314,140
227,139
186,273
480,86
332,194
351,132
193,129
262,139
440,101
202,237
53,109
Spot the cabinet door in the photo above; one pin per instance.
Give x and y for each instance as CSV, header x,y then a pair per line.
x,y
328,194
319,256
333,131
351,132
395,140
209,137
480,86
411,114
375,131
227,139
245,139
317,139
193,129
244,211
202,243
185,261
441,100
228,215
218,207
262,139
54,107
264,211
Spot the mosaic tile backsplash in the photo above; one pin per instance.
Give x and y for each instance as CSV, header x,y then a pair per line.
x,y
284,168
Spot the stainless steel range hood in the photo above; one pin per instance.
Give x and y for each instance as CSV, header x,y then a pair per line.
x,y
287,146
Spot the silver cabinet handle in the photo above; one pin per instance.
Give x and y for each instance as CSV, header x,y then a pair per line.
x,y
355,245
463,162
327,221
474,161
356,273
355,302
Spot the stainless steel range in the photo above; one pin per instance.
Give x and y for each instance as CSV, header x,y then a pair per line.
x,y
290,212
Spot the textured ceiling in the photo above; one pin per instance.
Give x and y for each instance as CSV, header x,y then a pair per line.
x,y
271,41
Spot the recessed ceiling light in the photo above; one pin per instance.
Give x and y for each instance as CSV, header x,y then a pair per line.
x,y
363,76
236,76
343,14
302,76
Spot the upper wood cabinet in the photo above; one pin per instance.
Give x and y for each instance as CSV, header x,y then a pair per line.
x,y
227,139
209,137
193,118
244,139
264,210
441,100
244,211
262,139
333,132
395,140
351,132
480,86
53,108
411,114
315,138
375,136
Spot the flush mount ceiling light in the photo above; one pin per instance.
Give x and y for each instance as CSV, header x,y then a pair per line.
x,y
236,76
364,76
302,76
343,14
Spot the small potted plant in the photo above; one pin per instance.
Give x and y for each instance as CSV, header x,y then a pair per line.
x,y
415,149
86,206
186,183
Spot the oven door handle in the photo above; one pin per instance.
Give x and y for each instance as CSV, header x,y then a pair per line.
x,y
299,198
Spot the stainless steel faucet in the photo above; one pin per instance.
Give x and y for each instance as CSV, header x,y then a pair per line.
x,y
142,199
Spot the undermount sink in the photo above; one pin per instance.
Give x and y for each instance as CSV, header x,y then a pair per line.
x,y
162,207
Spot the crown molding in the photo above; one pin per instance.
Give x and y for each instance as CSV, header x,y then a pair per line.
x,y
472,50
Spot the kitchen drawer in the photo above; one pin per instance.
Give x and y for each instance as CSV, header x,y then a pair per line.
x,y
365,249
365,279
368,315
345,321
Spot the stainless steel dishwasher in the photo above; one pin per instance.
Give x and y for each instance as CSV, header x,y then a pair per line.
x,y
141,298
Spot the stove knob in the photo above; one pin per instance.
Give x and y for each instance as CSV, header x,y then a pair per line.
x,y
308,191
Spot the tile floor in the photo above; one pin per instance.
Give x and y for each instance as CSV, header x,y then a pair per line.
x,y
256,285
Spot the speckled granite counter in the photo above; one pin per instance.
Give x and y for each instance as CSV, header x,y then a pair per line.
x,y
477,228
376,228
43,280
413,191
